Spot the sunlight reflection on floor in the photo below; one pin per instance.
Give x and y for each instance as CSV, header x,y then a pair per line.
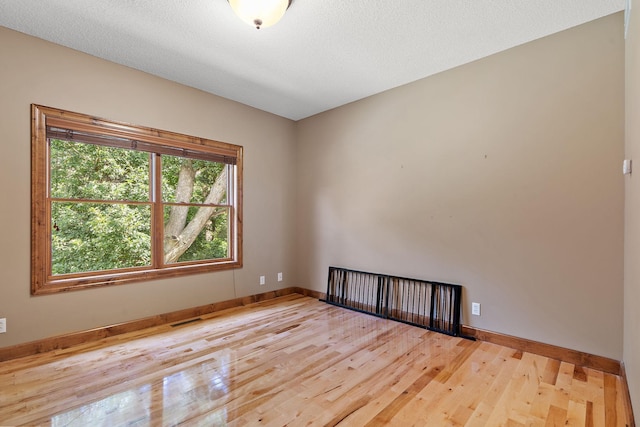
x,y
171,401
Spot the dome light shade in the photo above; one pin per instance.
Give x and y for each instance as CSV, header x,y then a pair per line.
x,y
260,13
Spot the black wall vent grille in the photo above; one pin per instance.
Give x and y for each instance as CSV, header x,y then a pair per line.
x,y
431,305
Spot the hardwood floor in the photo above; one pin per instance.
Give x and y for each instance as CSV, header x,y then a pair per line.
x,y
296,361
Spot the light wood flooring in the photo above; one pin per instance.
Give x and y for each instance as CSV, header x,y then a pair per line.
x,y
296,361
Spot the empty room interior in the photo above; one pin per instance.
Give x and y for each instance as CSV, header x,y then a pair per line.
x,y
488,145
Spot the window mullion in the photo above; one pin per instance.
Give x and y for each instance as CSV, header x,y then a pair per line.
x,y
157,218
231,202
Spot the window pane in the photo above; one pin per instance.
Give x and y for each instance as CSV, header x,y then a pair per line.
x,y
193,181
87,171
205,237
96,237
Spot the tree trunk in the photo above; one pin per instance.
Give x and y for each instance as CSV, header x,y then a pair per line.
x,y
184,190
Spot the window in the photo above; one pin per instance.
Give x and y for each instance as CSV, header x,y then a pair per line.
x,y
114,203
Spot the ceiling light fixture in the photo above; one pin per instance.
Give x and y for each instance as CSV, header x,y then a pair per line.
x,y
260,13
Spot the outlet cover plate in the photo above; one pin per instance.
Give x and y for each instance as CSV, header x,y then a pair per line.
x,y
475,308
3,325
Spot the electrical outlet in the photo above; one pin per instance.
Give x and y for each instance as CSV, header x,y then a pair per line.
x,y
279,277
475,308
262,280
3,325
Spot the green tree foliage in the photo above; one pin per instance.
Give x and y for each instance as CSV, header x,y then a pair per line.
x,y
87,171
95,237
101,210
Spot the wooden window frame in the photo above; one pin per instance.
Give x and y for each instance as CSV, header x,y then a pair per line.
x,y
42,280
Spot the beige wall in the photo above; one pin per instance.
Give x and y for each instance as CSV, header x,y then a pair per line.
x,y
34,71
632,213
503,175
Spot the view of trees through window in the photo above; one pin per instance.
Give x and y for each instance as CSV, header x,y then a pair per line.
x,y
101,208
114,203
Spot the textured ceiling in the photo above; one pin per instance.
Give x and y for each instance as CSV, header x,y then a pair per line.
x,y
323,54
